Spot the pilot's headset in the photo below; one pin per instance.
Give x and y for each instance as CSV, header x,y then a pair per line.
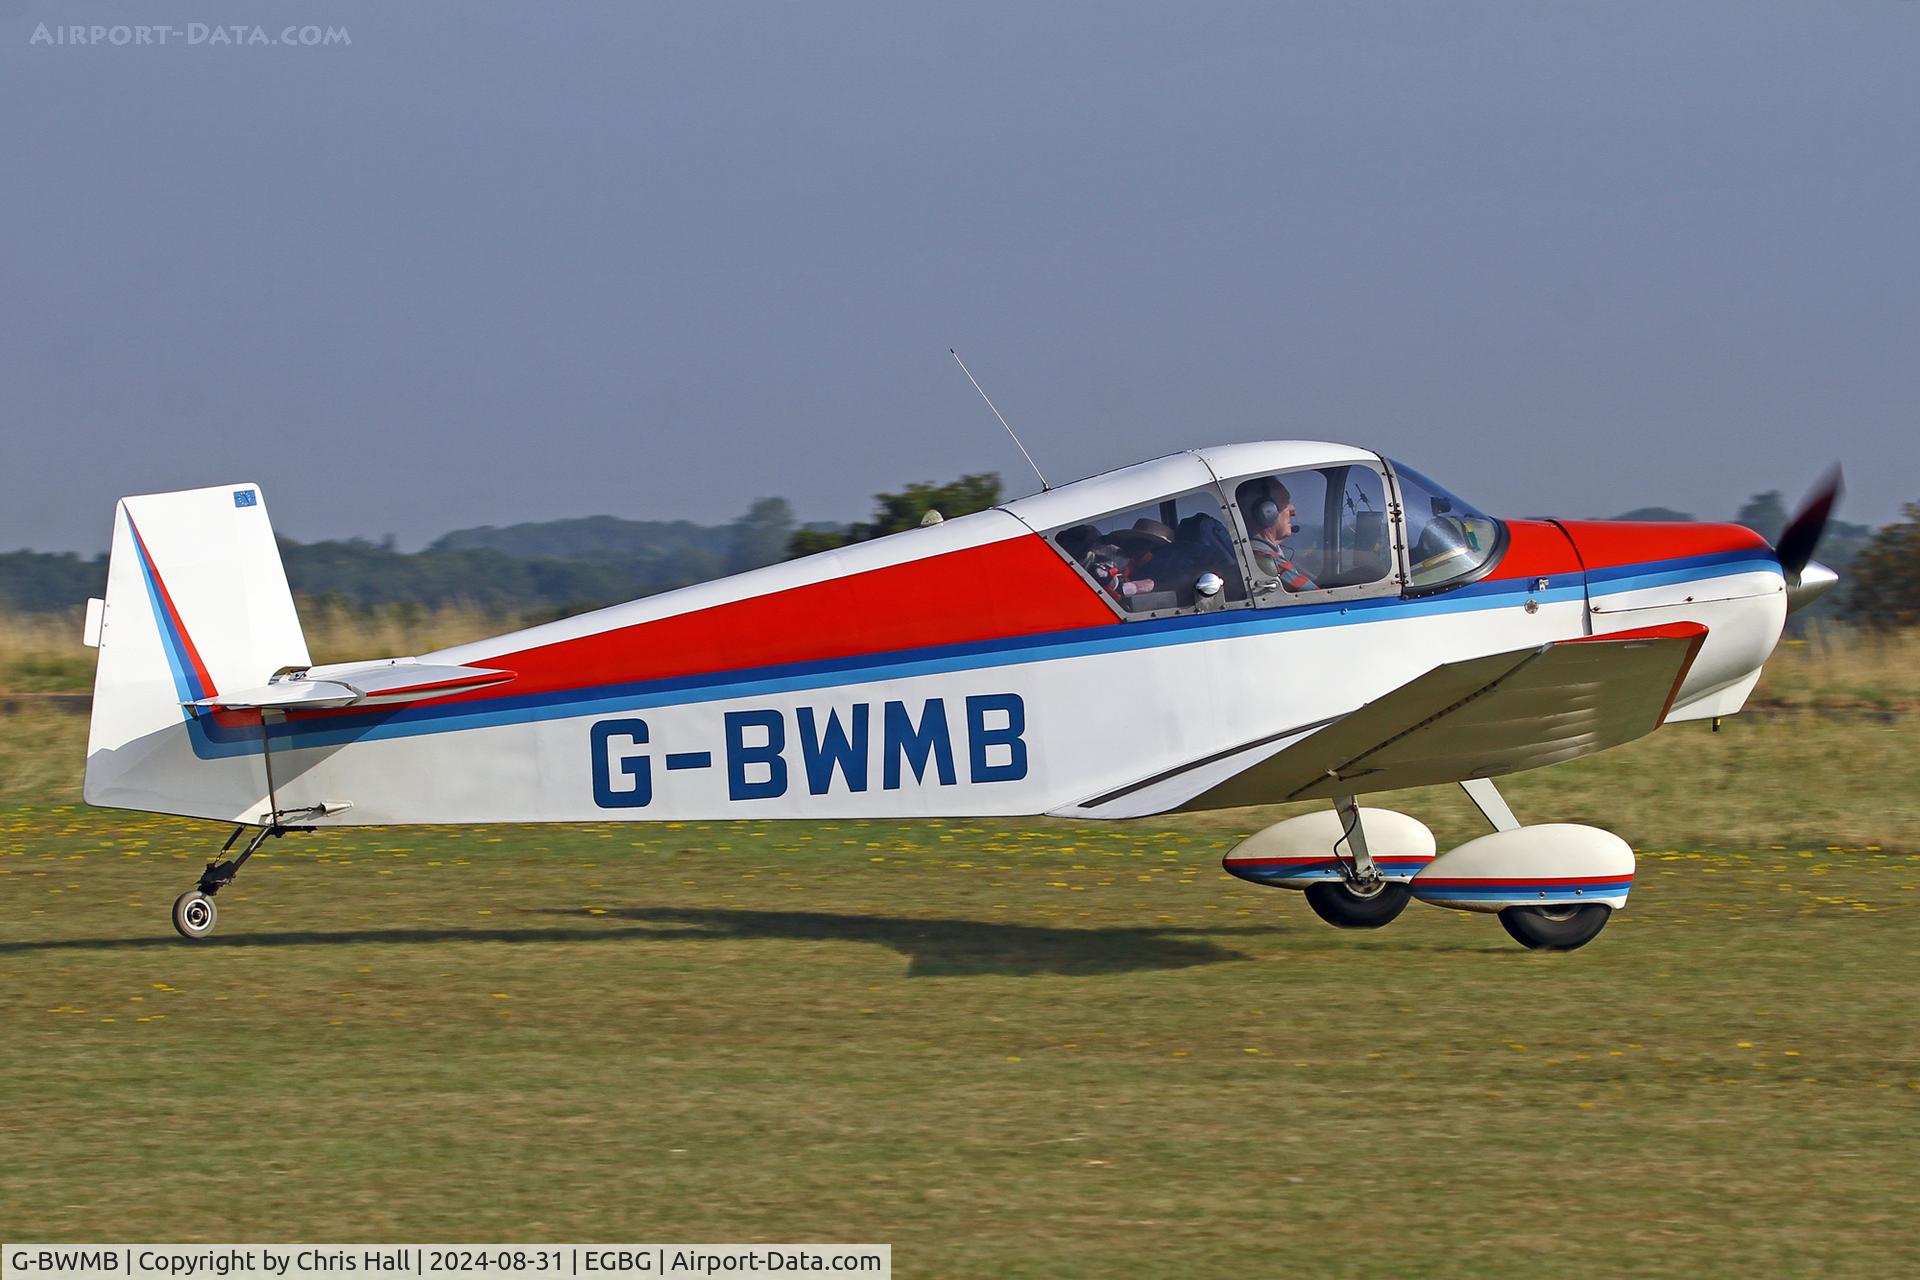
x,y
1263,510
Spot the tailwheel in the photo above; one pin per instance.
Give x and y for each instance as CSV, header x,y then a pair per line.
x,y
193,911
1349,905
1563,928
194,915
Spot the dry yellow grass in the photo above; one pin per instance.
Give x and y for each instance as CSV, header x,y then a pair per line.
x,y
40,633
1841,668
42,652
335,634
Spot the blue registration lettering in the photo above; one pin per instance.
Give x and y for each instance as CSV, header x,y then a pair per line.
x,y
616,760
741,755
901,740
824,750
1009,735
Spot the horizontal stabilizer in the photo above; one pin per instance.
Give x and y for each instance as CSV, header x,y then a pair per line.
x,y
368,684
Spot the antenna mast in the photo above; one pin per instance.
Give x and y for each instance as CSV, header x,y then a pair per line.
x,y
1044,486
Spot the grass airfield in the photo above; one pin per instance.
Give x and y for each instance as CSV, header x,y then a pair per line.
x,y
1008,1049
1030,1050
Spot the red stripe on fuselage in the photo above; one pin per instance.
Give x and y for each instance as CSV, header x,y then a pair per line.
x,y
1606,543
1015,587
1536,549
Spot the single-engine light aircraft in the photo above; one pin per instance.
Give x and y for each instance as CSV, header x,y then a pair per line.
x,y
1248,624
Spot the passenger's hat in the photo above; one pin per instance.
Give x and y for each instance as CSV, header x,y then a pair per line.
x,y
1146,535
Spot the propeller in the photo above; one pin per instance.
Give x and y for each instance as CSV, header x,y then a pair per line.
x,y
1807,578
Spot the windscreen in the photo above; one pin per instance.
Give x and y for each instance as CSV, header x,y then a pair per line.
x,y
1448,539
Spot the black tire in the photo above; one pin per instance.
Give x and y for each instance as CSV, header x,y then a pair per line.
x,y
1556,928
1345,907
194,915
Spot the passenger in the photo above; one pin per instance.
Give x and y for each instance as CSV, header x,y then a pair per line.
x,y
1120,563
1142,543
1078,540
1108,565
1269,512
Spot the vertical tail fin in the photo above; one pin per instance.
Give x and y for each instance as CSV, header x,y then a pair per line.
x,y
197,601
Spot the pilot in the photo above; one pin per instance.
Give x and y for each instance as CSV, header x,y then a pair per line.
x,y
1269,511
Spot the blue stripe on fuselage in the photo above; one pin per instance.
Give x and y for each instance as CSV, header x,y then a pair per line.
x,y
1634,577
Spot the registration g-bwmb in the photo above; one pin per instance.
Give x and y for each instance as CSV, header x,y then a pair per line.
x,y
1240,625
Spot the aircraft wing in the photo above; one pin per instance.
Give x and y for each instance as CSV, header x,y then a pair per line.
x,y
355,685
1478,718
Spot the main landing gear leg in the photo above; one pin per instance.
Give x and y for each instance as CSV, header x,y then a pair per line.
x,y
1560,927
1362,898
1492,805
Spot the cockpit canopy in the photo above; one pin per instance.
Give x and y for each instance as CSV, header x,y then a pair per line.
x,y
1263,525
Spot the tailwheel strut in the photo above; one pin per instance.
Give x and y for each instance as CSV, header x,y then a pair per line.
x,y
194,914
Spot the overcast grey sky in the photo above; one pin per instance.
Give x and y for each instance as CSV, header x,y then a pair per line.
x,y
495,262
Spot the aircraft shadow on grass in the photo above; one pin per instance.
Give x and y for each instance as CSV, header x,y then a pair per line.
x,y
953,948
933,947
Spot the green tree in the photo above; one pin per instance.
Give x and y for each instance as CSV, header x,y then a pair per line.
x,y
760,536
898,512
31,580
1664,515
1886,575
1765,514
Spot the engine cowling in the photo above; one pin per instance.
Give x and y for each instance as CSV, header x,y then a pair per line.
x,y
1556,864
1308,849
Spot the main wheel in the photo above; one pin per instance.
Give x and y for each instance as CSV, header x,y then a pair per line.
x,y
1556,928
1351,906
194,914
